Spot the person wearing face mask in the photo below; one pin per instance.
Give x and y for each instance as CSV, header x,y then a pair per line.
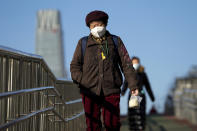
x,y
137,117
96,67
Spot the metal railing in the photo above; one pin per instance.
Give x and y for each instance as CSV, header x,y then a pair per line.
x,y
32,99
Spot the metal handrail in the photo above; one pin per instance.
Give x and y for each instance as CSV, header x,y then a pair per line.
x,y
73,102
25,117
75,116
23,91
26,91
8,50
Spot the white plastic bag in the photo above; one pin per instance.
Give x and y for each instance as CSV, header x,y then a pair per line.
x,y
134,101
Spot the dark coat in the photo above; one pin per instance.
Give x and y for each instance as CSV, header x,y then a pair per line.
x,y
142,82
95,74
137,117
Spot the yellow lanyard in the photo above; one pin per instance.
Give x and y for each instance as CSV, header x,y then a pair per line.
x,y
105,51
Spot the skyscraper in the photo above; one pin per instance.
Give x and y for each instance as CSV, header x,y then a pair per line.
x,y
49,41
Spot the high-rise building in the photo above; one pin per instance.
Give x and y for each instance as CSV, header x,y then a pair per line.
x,y
49,41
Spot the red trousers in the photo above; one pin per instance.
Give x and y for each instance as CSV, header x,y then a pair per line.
x,y
110,112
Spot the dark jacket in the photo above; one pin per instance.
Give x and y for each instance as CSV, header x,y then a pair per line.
x,y
95,74
142,81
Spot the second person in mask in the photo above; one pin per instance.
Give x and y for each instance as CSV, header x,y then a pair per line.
x,y
137,117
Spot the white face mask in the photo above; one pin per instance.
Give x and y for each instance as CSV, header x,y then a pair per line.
x,y
98,31
136,66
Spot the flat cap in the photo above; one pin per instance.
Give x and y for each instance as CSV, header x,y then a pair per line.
x,y
95,16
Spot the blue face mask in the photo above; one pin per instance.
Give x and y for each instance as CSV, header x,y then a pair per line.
x,y
136,66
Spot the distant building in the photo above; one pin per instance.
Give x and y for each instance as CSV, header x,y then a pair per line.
x,y
185,97
49,41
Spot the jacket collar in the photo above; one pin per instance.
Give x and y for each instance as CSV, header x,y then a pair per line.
x,y
92,42
141,69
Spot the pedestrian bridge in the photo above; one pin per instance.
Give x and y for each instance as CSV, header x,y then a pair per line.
x,y
33,99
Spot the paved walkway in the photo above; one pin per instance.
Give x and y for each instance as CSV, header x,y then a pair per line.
x,y
161,123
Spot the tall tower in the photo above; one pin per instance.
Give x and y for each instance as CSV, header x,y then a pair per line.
x,y
49,41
